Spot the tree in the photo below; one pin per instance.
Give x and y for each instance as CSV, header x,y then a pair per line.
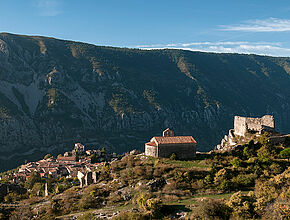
x,y
172,156
242,205
246,152
236,162
149,204
34,178
211,209
103,150
264,154
37,189
285,153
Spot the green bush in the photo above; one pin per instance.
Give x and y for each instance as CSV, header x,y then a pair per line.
x,y
236,162
132,216
264,154
173,156
285,153
149,204
212,210
244,180
242,206
34,178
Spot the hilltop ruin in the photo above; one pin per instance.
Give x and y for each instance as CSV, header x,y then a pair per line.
x,y
244,125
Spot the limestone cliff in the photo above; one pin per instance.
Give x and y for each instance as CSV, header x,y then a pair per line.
x,y
54,93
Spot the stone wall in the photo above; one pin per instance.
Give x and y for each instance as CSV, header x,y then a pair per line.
x,y
278,139
268,120
182,151
245,124
151,151
240,125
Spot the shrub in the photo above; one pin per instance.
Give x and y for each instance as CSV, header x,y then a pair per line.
x,y
244,180
236,162
224,186
242,206
149,204
211,209
280,209
131,216
34,178
285,153
220,176
264,154
173,156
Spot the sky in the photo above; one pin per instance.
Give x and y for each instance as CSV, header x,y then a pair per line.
x,y
231,26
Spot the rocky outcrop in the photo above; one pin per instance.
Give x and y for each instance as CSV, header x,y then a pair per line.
x,y
54,93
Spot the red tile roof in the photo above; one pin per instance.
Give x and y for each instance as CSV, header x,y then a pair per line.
x,y
66,158
174,140
152,143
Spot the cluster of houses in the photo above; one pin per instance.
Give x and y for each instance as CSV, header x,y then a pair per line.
x,y
72,164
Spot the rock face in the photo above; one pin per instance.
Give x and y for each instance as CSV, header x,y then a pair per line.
x,y
54,93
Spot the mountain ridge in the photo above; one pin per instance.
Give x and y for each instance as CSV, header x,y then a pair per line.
x,y
56,92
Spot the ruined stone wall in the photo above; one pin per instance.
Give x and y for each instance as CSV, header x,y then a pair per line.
x,y
268,120
151,151
244,124
182,151
254,124
240,125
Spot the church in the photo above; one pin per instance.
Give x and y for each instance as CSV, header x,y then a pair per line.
x,y
184,147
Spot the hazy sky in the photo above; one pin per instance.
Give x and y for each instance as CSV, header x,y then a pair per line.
x,y
243,26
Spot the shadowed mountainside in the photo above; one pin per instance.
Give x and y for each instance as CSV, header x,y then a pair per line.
x,y
55,92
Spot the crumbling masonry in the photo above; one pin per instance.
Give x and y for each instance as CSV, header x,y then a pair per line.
x,y
243,125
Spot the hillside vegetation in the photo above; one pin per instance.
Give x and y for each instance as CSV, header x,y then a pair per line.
x,y
54,93
250,182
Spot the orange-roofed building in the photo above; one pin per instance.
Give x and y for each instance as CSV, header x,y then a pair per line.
x,y
184,147
66,159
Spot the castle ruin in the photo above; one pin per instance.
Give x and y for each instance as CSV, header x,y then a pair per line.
x,y
244,125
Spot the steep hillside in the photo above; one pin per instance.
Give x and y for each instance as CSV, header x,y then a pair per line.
x,y
55,92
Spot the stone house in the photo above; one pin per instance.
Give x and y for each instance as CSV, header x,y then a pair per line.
x,y
79,149
87,178
66,159
183,146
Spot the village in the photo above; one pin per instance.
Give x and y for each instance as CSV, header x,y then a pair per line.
x,y
79,165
